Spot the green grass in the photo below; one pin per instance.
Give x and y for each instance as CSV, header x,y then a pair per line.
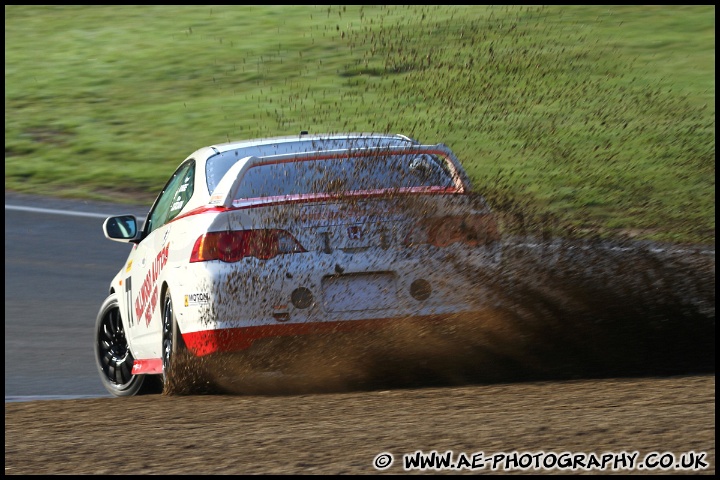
x,y
581,120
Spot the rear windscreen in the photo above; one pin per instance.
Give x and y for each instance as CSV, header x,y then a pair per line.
x,y
339,175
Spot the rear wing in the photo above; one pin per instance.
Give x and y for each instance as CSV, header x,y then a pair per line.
x,y
227,188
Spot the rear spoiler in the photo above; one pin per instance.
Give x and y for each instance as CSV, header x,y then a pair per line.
x,y
226,189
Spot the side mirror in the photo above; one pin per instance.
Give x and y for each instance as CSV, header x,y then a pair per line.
x,y
121,228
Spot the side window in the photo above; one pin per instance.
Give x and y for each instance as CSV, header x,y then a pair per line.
x,y
175,195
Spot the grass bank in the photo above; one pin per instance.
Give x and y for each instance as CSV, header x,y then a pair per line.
x,y
581,120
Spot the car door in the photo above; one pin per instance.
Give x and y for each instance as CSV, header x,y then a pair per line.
x,y
150,260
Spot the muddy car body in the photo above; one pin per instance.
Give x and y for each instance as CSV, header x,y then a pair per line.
x,y
287,237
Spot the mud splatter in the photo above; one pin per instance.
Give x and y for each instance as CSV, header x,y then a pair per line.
x,y
590,308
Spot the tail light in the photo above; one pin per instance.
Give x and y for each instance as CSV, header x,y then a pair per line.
x,y
472,230
234,245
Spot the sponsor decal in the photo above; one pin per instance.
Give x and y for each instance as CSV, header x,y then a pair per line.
x,y
147,297
128,267
197,299
128,299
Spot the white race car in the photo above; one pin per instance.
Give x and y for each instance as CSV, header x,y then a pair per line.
x,y
284,238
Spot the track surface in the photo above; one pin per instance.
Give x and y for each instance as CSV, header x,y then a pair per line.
x,y
341,433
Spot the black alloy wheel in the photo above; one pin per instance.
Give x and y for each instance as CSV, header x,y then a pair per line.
x,y
112,353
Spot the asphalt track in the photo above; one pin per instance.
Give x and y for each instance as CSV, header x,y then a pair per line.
x,y
58,266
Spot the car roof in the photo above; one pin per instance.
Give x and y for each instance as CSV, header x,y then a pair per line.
x,y
307,142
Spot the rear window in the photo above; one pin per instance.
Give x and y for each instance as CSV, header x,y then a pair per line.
x,y
360,173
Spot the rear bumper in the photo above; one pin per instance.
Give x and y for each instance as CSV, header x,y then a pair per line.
x,y
286,343
226,340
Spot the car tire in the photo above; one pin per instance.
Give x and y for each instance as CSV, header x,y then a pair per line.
x,y
113,357
176,359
